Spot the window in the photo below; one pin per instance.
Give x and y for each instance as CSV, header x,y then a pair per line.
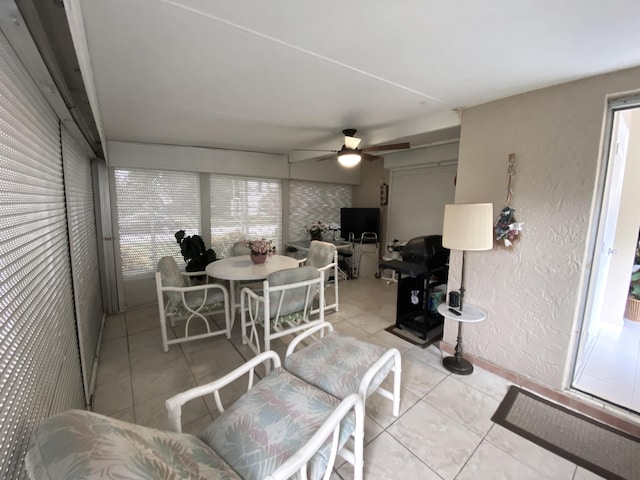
x,y
244,208
311,202
152,207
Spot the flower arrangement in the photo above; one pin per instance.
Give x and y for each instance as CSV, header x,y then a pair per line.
x,y
316,227
506,228
261,247
395,246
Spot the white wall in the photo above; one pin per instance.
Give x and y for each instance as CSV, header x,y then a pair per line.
x,y
533,291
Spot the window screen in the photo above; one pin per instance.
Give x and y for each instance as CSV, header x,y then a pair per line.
x,y
152,206
310,202
39,361
244,208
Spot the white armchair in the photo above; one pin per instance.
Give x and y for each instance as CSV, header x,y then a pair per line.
x,y
324,256
178,301
283,307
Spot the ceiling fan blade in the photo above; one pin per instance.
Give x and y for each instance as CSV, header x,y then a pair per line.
x,y
368,156
391,146
333,156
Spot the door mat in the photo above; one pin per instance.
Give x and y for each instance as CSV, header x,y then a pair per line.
x,y
413,337
595,446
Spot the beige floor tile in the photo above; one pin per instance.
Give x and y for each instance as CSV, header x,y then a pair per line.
x,y
431,355
153,357
112,368
490,463
153,413
147,338
114,396
547,463
220,357
115,326
448,444
369,322
418,377
347,328
388,340
228,395
114,347
464,404
142,318
197,426
385,458
381,409
487,382
126,415
154,383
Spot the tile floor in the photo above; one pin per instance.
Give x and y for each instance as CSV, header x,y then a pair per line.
x,y
611,370
444,430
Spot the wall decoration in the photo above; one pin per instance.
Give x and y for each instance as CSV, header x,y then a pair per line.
x,y
384,194
507,228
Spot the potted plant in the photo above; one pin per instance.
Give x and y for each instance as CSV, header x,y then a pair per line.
x,y
260,250
632,311
315,230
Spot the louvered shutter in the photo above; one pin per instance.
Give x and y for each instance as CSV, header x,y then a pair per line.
x,y
244,208
84,251
152,206
39,360
311,202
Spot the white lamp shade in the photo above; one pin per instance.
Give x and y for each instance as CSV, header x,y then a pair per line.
x,y
349,159
468,226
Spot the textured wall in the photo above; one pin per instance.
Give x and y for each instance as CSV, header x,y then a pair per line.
x,y
532,291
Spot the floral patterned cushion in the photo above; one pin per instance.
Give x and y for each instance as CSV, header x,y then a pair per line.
x,y
270,423
337,363
84,445
293,300
320,254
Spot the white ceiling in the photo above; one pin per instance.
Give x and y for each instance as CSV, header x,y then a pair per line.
x,y
279,75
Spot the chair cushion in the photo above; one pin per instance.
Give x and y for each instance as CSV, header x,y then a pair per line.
x,y
171,277
270,423
320,254
81,445
295,298
337,363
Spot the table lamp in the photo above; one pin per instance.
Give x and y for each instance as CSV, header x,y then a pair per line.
x,y
466,227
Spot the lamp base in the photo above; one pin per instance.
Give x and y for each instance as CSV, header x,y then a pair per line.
x,y
457,365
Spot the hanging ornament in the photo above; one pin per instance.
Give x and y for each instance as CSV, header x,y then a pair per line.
x,y
507,228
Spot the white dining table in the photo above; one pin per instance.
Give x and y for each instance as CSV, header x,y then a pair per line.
x,y
241,267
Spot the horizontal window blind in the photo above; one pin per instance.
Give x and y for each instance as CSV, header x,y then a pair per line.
x,y
84,252
311,202
151,207
39,360
244,208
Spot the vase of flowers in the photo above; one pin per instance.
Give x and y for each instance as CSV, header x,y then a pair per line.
x,y
315,230
260,250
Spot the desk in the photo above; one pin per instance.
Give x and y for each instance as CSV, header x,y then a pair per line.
x,y
469,314
242,268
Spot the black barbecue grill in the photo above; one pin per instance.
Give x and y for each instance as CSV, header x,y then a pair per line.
x,y
424,266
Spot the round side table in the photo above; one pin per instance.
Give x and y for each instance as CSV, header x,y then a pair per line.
x,y
470,314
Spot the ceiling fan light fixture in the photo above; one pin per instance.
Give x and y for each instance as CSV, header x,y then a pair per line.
x,y
349,159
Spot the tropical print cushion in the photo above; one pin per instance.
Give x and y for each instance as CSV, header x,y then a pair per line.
x,y
293,300
320,254
337,363
271,422
84,445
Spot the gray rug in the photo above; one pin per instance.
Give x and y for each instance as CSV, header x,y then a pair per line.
x,y
413,337
595,446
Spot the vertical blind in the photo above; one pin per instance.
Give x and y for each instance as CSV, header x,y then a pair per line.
x,y
39,359
152,206
84,252
311,202
244,208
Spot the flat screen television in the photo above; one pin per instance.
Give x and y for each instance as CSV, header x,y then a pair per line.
x,y
359,220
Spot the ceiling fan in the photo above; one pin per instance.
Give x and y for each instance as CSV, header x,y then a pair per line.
x,y
350,155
